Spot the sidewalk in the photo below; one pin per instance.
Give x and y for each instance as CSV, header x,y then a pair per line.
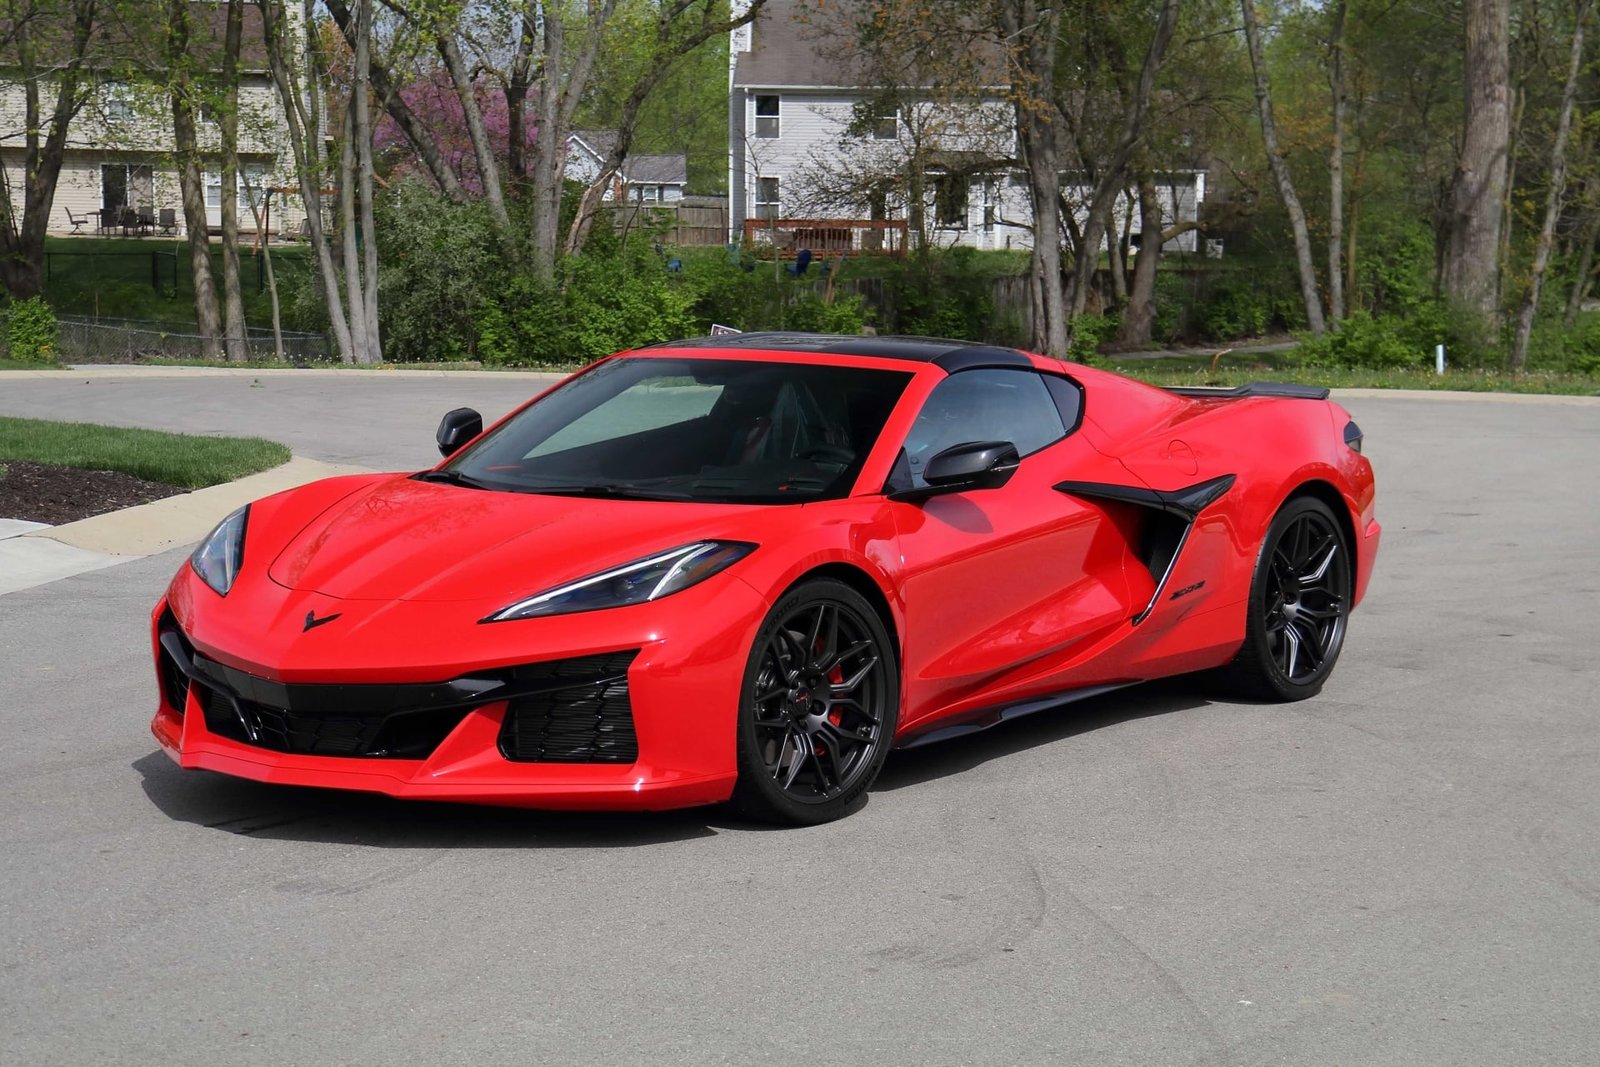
x,y
33,554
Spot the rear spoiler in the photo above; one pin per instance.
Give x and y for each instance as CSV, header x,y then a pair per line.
x,y
1238,392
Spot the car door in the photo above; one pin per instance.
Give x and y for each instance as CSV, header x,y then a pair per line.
x,y
1002,587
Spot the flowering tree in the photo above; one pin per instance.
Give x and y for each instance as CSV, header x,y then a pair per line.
x,y
433,100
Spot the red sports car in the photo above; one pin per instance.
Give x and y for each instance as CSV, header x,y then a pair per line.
x,y
745,568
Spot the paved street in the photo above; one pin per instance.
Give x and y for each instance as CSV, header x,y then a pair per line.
x,y
1405,870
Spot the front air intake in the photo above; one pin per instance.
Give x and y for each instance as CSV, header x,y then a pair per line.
x,y
582,714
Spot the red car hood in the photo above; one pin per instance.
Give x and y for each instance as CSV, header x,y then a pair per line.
x,y
409,540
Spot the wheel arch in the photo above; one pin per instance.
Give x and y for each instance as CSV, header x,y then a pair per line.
x,y
863,583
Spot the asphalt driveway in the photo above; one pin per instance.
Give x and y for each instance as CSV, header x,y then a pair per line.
x,y
1403,870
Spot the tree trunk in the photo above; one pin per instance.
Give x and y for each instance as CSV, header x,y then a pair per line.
x,y
1139,317
1030,35
362,129
482,150
1136,106
1336,166
208,322
1471,262
1552,204
233,324
1280,174
304,133
257,199
22,239
1584,274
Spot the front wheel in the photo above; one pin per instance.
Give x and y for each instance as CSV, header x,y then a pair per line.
x,y
1299,605
818,706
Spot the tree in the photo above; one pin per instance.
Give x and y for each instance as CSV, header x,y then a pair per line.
x,y
1558,178
1280,172
186,91
49,45
1471,261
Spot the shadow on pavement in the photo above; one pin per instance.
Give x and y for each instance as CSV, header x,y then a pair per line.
x,y
297,813
914,766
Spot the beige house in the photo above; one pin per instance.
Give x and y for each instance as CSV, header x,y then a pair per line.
x,y
119,148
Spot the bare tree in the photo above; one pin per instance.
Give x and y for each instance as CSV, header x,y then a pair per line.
x,y
1336,87
1280,173
1552,206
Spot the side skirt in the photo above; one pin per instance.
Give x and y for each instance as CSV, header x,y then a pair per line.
x,y
983,718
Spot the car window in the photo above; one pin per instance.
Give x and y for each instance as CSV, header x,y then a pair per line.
x,y
983,405
651,405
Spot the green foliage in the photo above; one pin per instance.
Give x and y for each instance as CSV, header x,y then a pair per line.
x,y
32,331
1088,332
438,264
1363,341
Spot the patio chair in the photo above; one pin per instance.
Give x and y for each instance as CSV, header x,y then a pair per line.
x,y
146,220
78,221
169,221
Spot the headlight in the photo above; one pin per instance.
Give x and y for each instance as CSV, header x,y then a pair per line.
x,y
645,579
217,559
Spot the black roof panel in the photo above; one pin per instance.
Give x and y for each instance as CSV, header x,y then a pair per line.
x,y
950,355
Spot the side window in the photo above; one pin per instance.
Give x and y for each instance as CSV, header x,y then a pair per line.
x,y
983,405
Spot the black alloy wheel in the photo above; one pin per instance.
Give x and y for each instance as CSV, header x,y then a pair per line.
x,y
1299,606
818,707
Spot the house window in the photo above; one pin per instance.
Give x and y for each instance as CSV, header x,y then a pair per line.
x,y
126,185
252,188
119,102
647,194
886,127
950,200
766,116
766,198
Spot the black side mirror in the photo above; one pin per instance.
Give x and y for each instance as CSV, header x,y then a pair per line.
x,y
973,465
456,429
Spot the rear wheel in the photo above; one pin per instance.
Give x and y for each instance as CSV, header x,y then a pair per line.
x,y
818,706
1299,605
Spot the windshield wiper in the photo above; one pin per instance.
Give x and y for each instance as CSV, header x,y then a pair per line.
x,y
604,491
452,477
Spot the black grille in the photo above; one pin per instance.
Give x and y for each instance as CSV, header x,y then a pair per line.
x,y
383,734
584,717
174,682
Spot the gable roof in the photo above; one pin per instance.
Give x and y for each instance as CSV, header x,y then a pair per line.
x,y
796,44
657,170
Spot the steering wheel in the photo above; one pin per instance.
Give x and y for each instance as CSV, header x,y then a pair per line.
x,y
837,454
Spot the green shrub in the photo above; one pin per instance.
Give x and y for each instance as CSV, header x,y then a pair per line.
x,y
1364,341
1233,311
1088,332
32,331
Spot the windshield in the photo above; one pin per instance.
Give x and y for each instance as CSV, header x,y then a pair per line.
x,y
690,429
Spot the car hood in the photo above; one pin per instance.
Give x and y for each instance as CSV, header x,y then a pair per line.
x,y
403,539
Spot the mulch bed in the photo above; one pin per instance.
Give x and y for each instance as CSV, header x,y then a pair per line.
x,y
56,495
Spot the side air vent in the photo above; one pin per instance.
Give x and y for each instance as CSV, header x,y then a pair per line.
x,y
585,715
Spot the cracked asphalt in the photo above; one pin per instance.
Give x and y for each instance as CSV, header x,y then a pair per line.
x,y
1405,870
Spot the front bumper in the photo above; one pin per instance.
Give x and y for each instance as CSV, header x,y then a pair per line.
x,y
272,708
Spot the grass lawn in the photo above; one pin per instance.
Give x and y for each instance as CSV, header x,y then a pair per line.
x,y
19,364
1196,370
185,460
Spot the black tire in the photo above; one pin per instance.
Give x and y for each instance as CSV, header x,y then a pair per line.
x,y
1299,607
817,708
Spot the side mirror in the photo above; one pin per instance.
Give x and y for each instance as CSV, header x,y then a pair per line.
x,y
973,465
456,429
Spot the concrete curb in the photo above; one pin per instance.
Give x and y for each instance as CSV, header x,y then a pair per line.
x,y
46,554
1559,399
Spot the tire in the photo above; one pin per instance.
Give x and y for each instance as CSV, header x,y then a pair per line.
x,y
1298,610
817,708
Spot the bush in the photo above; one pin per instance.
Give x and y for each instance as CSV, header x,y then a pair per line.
x,y
1088,332
32,331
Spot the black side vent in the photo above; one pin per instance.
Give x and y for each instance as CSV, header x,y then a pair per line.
x,y
174,680
584,716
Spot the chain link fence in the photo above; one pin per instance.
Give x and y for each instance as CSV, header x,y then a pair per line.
x,y
86,340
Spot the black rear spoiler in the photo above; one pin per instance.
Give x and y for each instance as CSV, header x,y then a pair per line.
x,y
1284,389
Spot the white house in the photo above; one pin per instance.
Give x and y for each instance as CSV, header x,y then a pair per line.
x,y
804,144
120,145
649,179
